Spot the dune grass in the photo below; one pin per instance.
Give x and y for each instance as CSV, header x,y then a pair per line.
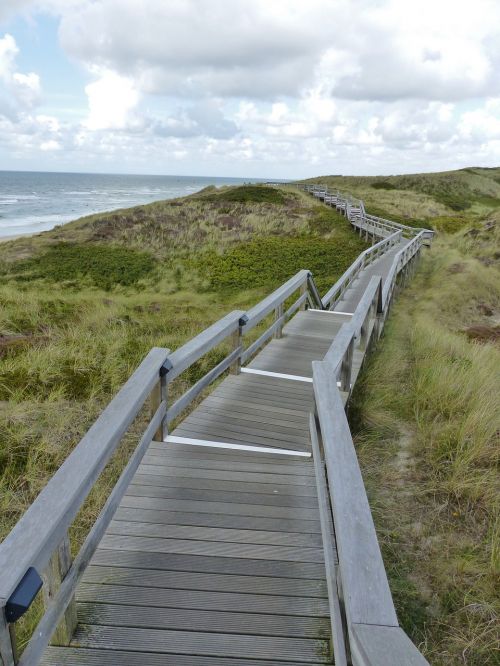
x,y
462,197
427,425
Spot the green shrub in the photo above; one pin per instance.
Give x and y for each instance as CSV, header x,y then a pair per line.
x,y
271,261
383,185
101,265
325,220
249,194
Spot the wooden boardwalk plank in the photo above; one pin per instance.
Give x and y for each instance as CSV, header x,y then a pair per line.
x,y
224,498
214,582
217,565
62,656
202,600
135,528
215,548
211,620
132,509
172,480
205,644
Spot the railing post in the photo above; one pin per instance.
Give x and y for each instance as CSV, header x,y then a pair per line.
x,y
158,395
278,313
237,342
346,368
8,656
302,291
365,329
53,576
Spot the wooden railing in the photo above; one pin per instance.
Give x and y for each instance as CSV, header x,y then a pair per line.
x,y
366,620
354,209
37,553
38,548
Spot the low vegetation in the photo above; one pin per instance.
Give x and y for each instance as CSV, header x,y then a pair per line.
x,y
460,197
427,422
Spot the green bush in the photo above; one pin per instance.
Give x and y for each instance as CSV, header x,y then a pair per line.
x,y
383,185
325,220
249,194
101,265
271,261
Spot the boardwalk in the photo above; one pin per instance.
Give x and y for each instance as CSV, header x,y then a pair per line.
x,y
224,546
220,556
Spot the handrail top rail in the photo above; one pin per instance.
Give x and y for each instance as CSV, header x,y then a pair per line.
x,y
355,264
40,530
210,337
267,305
349,329
414,241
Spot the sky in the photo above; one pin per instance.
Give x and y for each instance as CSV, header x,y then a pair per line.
x,y
249,88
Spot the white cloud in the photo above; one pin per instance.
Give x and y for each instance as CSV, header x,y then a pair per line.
x,y
112,99
23,90
50,145
269,88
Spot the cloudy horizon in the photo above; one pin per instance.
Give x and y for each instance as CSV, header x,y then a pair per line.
x,y
249,89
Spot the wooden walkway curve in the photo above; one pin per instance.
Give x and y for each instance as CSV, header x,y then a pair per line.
x,y
219,549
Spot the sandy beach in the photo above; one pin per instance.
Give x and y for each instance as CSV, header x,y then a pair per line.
x,y
4,239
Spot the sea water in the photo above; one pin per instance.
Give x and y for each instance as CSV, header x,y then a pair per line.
x,y
31,202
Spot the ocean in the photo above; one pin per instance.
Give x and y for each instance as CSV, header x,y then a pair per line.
x,y
31,202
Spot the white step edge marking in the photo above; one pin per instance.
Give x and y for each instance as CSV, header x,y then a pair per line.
x,y
280,375
268,373
174,439
349,314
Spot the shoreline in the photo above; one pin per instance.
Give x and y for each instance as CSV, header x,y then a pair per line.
x,y
5,239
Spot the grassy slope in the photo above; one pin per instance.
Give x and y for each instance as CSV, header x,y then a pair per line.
x,y
427,431
446,201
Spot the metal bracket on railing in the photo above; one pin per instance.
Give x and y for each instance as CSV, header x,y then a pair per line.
x,y
243,320
23,596
165,368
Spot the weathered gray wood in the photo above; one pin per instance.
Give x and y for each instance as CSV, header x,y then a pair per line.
x,y
43,526
209,644
218,565
250,584
99,657
234,602
367,595
334,294
330,551
233,535
259,311
313,290
254,624
159,395
54,574
64,595
131,509
186,399
262,339
380,646
278,320
193,350
7,643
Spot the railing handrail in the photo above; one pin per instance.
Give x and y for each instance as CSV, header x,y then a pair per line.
x,y
40,530
194,349
347,200
389,241
268,304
